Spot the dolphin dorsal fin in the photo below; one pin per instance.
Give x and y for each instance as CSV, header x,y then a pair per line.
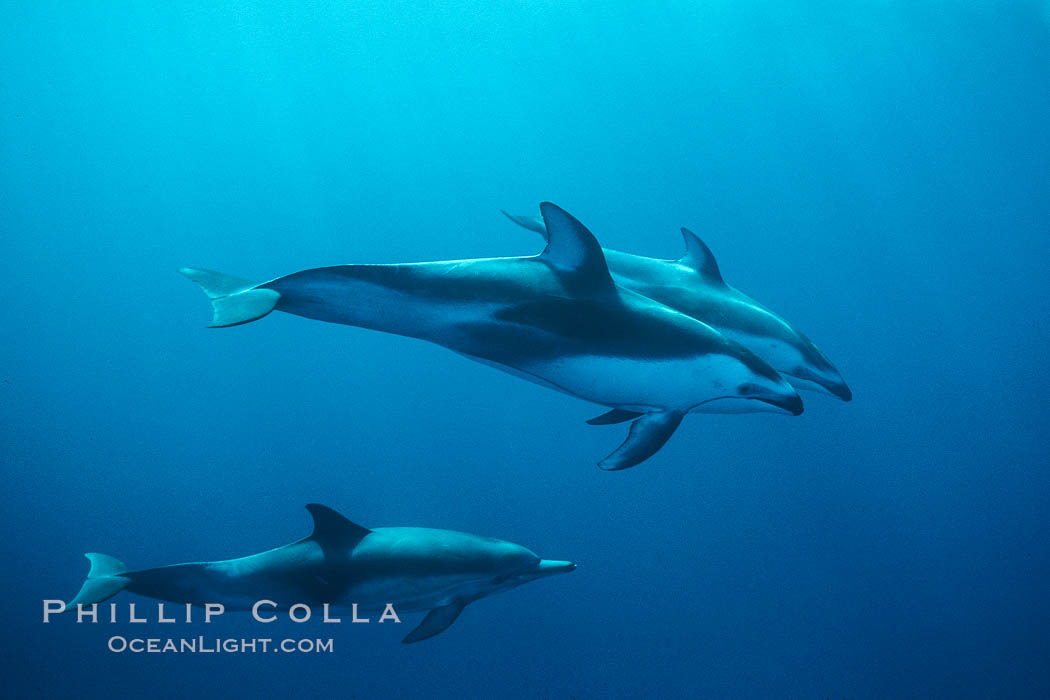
x,y
572,248
699,257
332,528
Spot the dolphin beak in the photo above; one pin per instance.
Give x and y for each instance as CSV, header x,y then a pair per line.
x,y
841,390
791,403
548,566
794,404
833,386
830,383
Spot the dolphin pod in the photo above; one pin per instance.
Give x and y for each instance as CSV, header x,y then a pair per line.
x,y
343,565
558,319
650,339
693,285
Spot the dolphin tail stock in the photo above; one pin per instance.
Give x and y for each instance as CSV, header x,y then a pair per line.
x,y
233,300
104,580
647,435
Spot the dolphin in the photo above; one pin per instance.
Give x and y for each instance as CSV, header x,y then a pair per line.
x,y
556,319
341,564
693,285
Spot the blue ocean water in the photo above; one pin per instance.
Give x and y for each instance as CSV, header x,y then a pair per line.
x,y
878,172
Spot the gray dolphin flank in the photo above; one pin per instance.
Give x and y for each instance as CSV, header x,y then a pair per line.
x,y
693,285
557,319
341,564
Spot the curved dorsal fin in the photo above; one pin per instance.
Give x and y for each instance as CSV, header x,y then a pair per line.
x,y
572,248
331,528
699,257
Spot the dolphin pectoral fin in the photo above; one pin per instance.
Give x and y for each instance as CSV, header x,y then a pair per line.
x,y
648,434
532,223
617,415
437,621
233,301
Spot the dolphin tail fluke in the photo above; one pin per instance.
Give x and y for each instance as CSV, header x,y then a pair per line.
x,y
233,301
532,223
437,621
104,580
648,434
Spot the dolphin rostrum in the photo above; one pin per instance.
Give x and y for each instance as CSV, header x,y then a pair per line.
x,y
340,564
693,285
557,319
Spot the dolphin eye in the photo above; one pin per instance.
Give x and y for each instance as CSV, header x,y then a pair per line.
x,y
745,388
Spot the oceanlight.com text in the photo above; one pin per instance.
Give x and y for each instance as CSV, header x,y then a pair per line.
x,y
217,645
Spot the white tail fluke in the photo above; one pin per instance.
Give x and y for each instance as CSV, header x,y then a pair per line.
x,y
233,301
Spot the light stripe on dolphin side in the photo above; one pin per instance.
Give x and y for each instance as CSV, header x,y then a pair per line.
x,y
556,318
341,564
693,284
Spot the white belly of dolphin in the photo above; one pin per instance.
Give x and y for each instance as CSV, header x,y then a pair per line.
x,y
642,385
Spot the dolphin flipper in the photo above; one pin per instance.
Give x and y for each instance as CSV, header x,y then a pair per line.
x,y
648,434
617,415
436,622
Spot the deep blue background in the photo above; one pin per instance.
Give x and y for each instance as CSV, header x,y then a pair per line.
x,y
878,172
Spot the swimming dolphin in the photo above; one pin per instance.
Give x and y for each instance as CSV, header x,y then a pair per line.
x,y
556,319
693,285
340,563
